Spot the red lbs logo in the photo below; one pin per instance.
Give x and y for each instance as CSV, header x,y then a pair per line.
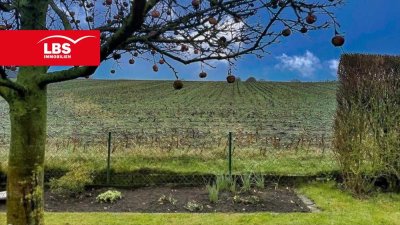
x,y
50,48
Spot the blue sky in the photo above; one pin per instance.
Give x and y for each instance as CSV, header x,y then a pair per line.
x,y
369,26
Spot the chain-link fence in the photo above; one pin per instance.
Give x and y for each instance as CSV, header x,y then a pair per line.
x,y
185,156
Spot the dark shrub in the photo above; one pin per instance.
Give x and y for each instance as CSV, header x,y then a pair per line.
x,y
251,79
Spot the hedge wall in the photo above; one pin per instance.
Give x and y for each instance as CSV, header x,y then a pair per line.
x,y
367,123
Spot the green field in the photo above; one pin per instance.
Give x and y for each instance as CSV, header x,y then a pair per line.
x,y
279,127
92,107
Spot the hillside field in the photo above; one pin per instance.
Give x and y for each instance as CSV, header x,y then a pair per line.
x,y
150,116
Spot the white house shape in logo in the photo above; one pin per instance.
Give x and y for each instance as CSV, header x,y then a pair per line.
x,y
66,38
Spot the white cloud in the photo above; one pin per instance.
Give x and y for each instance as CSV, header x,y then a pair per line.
x,y
227,28
333,66
230,29
305,64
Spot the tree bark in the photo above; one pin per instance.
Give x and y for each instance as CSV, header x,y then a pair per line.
x,y
26,159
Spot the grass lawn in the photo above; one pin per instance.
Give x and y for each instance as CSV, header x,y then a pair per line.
x,y
278,162
281,163
338,208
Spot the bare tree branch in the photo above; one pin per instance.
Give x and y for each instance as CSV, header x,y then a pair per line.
x,y
62,15
12,85
6,7
250,38
132,24
186,32
69,74
3,74
6,82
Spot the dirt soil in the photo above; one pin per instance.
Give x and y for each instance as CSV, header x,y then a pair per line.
x,y
148,200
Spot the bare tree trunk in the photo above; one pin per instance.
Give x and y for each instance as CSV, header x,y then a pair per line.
x,y
26,160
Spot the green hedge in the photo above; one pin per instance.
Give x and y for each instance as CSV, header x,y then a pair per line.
x,y
367,123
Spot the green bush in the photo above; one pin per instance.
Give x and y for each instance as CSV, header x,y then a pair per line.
x,y
73,182
233,186
223,182
259,181
213,192
246,182
109,196
251,79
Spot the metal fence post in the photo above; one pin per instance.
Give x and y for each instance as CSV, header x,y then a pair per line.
x,y
230,154
108,158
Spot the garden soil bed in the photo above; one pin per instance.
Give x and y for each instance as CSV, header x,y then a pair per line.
x,y
150,200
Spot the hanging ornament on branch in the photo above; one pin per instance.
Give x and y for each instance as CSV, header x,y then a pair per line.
x,y
230,78
202,74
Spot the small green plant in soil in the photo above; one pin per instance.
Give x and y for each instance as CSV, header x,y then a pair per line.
x,y
246,182
213,192
233,186
109,196
167,200
252,199
193,206
259,181
223,182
